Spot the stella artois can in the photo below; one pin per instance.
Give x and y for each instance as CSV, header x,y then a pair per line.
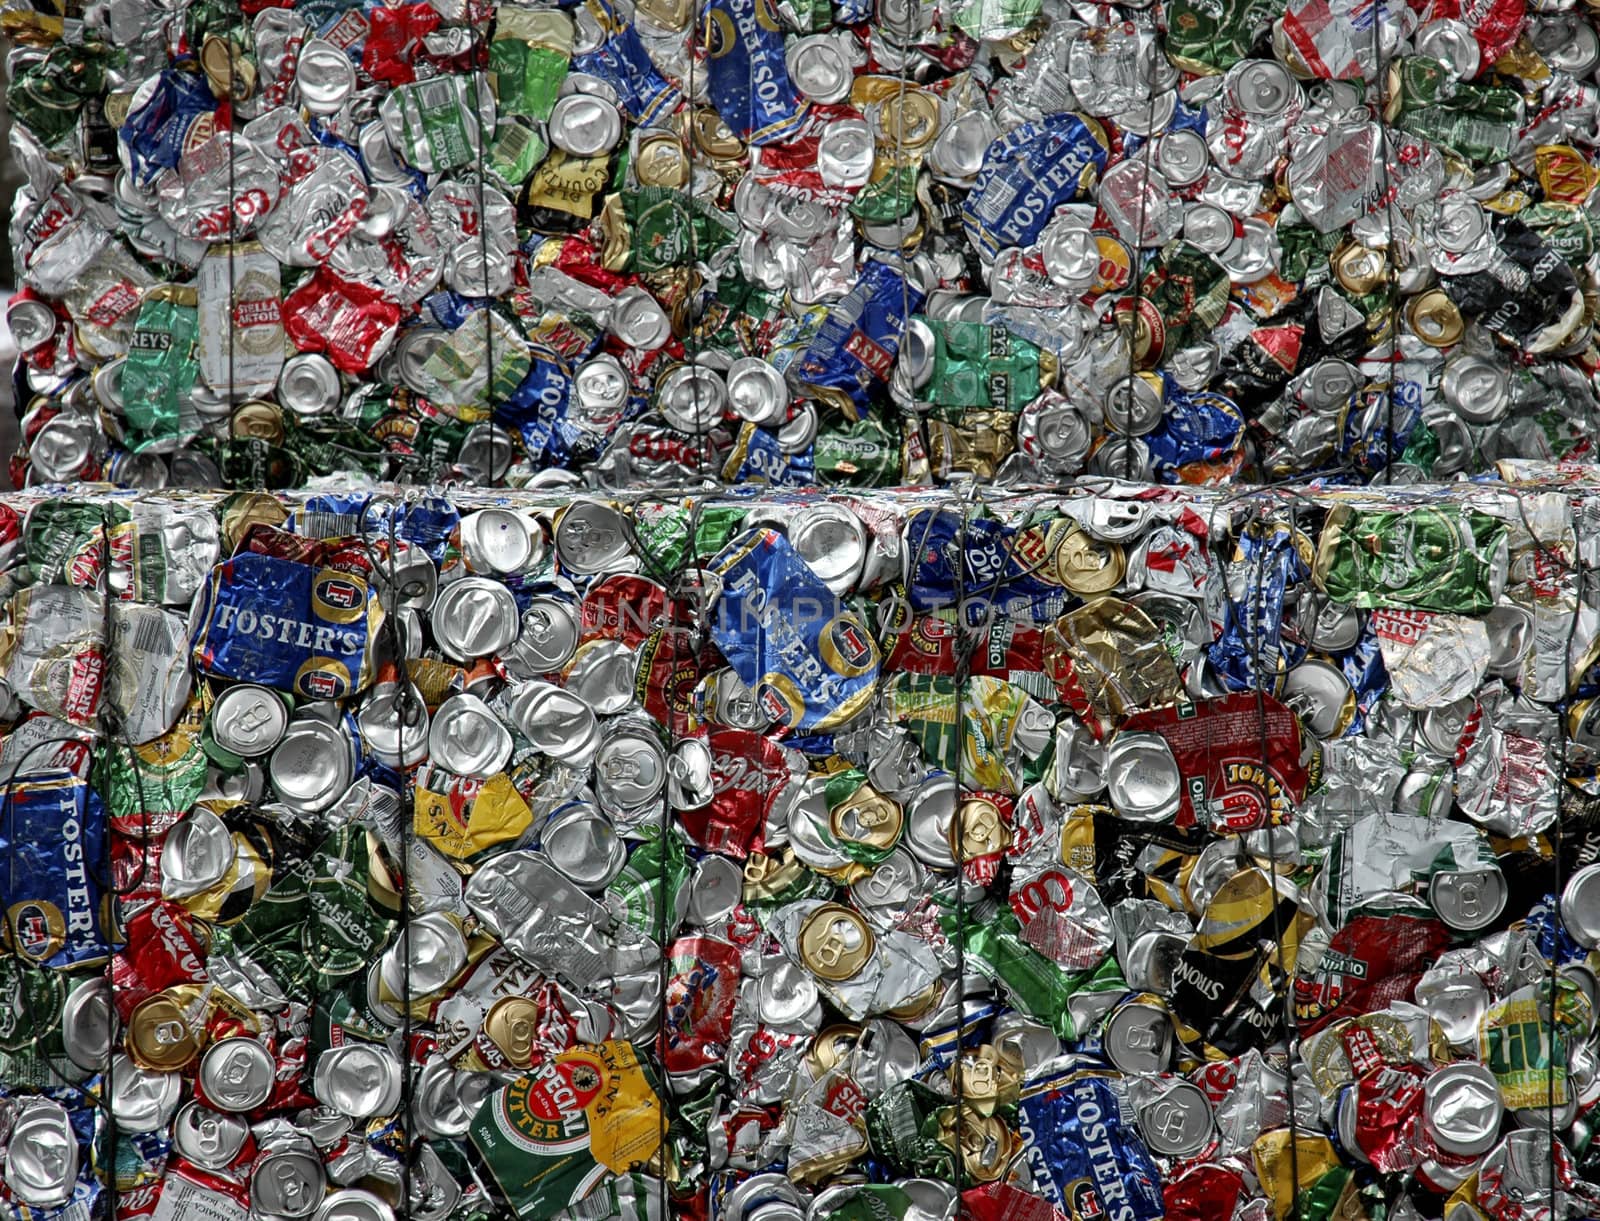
x,y
241,332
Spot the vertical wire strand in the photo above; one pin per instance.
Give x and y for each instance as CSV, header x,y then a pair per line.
x,y
1136,269
690,556
481,90
1558,846
233,232
407,707
103,730
1255,504
962,667
1392,260
692,286
664,971
1290,1024
673,582
898,171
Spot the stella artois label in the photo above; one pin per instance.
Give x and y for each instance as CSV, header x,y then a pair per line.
x,y
241,332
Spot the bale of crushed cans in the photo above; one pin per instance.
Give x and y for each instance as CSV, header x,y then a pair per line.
x,y
1110,854
846,244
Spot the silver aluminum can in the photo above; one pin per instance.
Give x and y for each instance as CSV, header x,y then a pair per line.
x,y
308,385
41,1158
833,543
584,125
210,1139
1462,1109
1142,778
547,640
143,1101
757,392
354,1204
602,675
288,1183
312,766
557,722
196,855
359,1080
630,768
691,398
237,1074
467,738
819,68
89,1024
1177,1122
592,536
430,952
497,541
582,842
249,720
394,725
473,617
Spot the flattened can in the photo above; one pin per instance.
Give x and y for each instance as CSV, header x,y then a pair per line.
x,y
289,626
548,1136
241,334
811,663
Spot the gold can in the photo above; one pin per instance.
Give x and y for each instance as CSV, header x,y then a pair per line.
x,y
1289,1164
177,294
1564,173
828,1156
1583,723
713,137
210,1002
243,511
868,817
661,161
920,1005
1116,265
257,420
116,106
1360,269
986,1146
978,830
987,1078
767,877
1077,837
512,1025
227,69
1434,318
1328,1060
83,337
836,943
1393,96
1146,329
158,1036
1246,908
976,444
831,1046
567,183
668,14
908,120
1084,564
382,887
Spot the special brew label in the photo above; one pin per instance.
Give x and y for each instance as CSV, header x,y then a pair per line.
x,y
556,1134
